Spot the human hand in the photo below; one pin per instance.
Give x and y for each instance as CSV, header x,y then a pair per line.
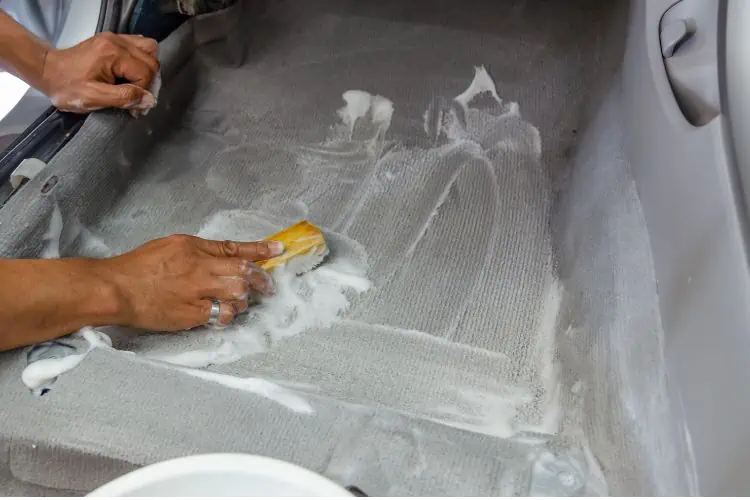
x,y
82,78
167,284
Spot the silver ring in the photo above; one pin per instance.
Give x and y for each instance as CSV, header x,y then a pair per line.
x,y
213,316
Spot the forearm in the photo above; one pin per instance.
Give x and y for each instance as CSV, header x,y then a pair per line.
x,y
45,299
21,53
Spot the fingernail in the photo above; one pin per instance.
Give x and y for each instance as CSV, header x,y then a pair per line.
x,y
147,101
271,285
260,280
276,248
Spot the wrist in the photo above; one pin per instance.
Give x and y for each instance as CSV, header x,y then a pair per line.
x,y
50,76
110,305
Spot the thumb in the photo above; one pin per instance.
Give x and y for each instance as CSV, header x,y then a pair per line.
x,y
254,251
98,95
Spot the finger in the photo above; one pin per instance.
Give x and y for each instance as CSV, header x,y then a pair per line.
x,y
234,267
226,289
133,69
260,250
147,58
72,103
229,266
145,44
89,96
260,281
254,251
239,306
140,47
226,313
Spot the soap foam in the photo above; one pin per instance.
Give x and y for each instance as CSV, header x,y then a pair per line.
x,y
481,83
51,249
261,387
40,374
316,299
357,105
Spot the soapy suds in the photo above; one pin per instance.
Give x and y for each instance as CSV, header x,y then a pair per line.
x,y
149,99
304,210
548,419
261,387
51,248
557,476
596,483
40,374
481,83
486,413
359,105
226,352
316,299
320,298
481,132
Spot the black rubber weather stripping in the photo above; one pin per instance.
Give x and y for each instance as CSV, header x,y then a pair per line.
x,y
42,140
53,129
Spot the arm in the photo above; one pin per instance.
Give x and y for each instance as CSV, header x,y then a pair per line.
x,y
164,285
21,53
46,299
82,78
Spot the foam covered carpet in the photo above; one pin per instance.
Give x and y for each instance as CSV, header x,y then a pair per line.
x,y
510,342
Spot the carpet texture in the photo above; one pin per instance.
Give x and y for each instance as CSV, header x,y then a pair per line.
x,y
511,341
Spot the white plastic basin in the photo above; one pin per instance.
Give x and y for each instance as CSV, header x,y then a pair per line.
x,y
225,474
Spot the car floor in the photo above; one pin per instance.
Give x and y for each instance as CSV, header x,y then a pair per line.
x,y
490,323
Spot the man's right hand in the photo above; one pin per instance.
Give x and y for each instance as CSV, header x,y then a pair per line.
x,y
167,284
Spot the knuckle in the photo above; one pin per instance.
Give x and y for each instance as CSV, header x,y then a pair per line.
x,y
150,44
179,239
183,242
243,266
229,248
195,288
129,93
235,289
104,43
241,289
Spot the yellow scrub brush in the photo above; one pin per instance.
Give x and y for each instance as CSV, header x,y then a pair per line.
x,y
304,248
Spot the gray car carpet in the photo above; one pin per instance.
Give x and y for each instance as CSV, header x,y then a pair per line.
x,y
510,342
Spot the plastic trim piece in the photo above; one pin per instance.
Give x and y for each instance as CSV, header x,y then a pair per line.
x,y
735,83
688,33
